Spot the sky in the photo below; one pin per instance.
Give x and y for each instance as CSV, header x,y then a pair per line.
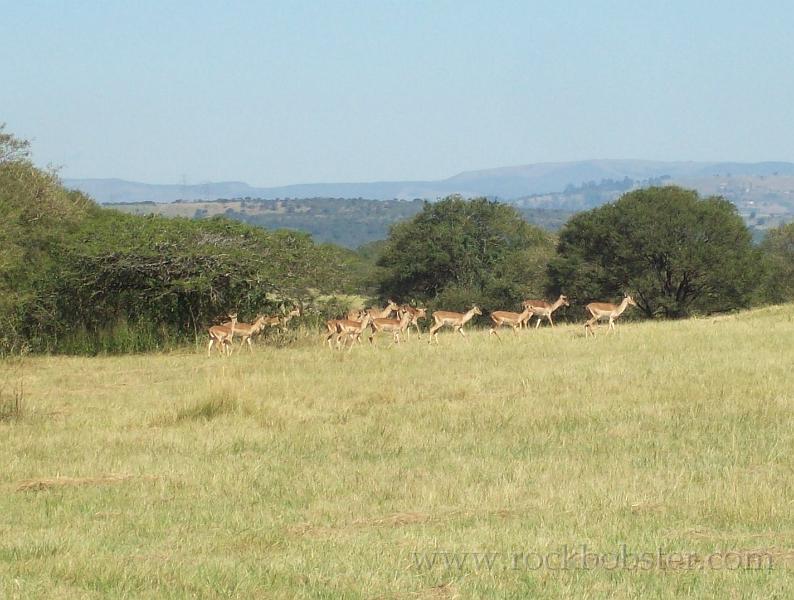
x,y
275,93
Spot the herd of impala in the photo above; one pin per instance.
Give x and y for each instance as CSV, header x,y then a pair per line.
x,y
223,335
349,329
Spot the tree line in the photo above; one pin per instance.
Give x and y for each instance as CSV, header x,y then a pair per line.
x,y
678,254
346,222
78,278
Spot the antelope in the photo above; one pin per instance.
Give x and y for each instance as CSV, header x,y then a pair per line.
x,y
503,317
295,312
330,326
281,321
393,326
416,314
352,329
604,310
246,331
451,319
541,308
355,315
222,335
383,313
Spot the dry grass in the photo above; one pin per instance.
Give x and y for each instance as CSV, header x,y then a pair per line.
x,y
38,485
302,472
12,405
216,403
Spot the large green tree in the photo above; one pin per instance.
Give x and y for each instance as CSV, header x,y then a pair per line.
x,y
778,249
457,252
674,251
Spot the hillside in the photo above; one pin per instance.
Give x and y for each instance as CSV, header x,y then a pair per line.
x,y
763,202
505,183
345,222
410,472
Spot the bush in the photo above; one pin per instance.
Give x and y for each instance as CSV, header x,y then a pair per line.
x,y
457,252
675,252
77,278
778,249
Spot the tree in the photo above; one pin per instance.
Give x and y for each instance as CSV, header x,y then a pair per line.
x,y
457,252
172,277
12,149
675,252
75,277
778,249
37,212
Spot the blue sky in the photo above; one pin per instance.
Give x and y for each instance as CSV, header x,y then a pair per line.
x,y
298,92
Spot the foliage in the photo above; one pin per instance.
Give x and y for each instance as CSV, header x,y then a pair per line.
x,y
778,248
78,278
12,149
347,222
37,216
182,275
674,251
457,252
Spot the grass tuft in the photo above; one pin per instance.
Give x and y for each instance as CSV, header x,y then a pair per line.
x,y
216,403
12,406
39,485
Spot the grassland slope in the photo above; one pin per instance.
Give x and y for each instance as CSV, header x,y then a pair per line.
x,y
409,472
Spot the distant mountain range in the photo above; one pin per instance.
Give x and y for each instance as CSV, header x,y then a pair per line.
x,y
506,183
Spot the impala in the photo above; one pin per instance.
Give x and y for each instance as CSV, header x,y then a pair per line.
x,y
383,313
222,335
281,321
601,311
504,317
355,315
352,315
541,308
393,326
351,329
273,321
247,330
452,319
295,312
331,324
331,328
416,314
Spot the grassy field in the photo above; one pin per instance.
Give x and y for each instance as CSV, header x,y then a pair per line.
x,y
410,472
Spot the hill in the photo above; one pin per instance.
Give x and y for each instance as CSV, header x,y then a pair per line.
x,y
346,222
506,183
761,200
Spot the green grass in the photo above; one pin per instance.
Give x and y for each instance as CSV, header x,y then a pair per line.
x,y
302,472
